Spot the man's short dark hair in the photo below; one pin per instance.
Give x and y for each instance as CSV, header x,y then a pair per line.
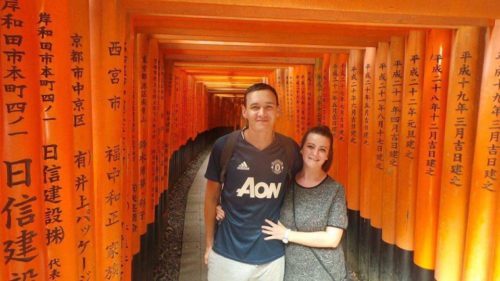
x,y
260,87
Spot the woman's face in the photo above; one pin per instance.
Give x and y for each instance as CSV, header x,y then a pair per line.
x,y
315,150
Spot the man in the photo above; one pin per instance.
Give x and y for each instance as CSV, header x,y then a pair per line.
x,y
252,191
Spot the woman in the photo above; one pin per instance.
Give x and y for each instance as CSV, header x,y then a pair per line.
x,y
313,215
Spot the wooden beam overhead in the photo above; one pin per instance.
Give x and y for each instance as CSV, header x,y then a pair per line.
x,y
228,65
230,44
272,49
232,32
252,53
275,60
421,13
318,43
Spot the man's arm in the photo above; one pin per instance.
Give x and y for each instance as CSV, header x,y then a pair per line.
x,y
212,195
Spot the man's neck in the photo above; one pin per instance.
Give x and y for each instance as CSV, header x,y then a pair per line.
x,y
259,139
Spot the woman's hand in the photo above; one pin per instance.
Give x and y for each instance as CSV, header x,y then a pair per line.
x,y
219,213
275,231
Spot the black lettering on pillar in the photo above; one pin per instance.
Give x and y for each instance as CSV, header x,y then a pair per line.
x,y
380,127
18,172
490,180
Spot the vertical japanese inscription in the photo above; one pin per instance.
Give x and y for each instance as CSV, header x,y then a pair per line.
x,y
435,112
394,104
380,96
490,180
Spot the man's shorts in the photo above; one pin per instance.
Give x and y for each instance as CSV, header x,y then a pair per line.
x,y
224,269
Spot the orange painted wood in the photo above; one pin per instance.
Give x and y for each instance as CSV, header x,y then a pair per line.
x,y
276,80
21,199
57,143
343,137
324,111
354,103
161,133
130,162
433,114
367,163
480,235
199,101
495,269
288,101
311,94
141,76
463,92
300,77
409,139
334,111
379,99
317,92
395,75
151,124
82,137
192,105
133,167
291,97
174,111
107,97
168,118
371,14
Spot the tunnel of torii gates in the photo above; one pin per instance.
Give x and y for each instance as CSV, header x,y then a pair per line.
x,y
105,102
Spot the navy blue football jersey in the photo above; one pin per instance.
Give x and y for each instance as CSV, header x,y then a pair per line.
x,y
253,191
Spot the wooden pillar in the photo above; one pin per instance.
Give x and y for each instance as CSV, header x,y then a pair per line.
x,y
480,236
21,214
334,111
392,117
140,89
342,136
367,164
82,139
354,102
433,114
408,145
463,92
128,129
107,98
324,112
57,141
378,113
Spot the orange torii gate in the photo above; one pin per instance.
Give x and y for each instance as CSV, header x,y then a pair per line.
x,y
99,118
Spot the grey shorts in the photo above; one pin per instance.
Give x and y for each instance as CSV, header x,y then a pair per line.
x,y
223,269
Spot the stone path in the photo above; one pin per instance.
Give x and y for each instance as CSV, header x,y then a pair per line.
x,y
193,245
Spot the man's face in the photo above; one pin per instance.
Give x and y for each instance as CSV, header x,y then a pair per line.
x,y
261,110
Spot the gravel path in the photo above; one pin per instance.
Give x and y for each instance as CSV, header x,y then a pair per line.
x,y
169,260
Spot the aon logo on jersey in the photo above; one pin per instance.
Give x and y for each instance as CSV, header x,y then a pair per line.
x,y
259,190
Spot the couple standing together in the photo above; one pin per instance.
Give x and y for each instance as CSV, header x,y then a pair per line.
x,y
281,217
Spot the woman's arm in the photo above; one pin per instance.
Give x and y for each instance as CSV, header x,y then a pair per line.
x,y
330,238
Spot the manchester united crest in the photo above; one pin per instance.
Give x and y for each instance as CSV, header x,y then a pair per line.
x,y
277,166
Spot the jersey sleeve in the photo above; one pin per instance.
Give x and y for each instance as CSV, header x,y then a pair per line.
x,y
213,168
338,211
